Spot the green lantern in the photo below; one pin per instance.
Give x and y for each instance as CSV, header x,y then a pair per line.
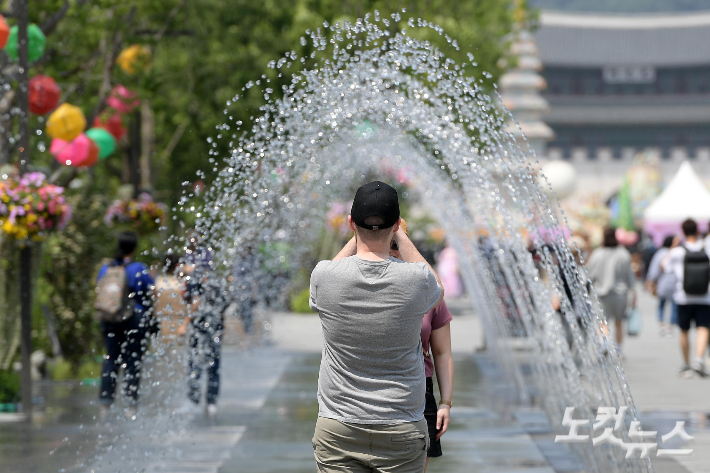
x,y
36,43
104,140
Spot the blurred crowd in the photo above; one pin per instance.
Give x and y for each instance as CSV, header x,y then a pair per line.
x,y
178,306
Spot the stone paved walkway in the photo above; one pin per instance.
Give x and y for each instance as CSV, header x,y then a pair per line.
x,y
651,363
268,409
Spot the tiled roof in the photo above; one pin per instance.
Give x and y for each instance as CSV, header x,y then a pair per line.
x,y
628,110
582,40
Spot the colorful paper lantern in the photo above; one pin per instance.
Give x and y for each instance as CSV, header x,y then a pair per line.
x,y
133,59
122,100
113,123
44,95
66,122
4,31
80,152
35,46
93,156
104,140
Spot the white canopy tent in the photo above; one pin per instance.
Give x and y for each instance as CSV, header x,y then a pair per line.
x,y
684,197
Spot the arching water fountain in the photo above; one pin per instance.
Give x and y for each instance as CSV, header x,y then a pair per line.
x,y
373,97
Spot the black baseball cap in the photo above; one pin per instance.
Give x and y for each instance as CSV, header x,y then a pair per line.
x,y
375,199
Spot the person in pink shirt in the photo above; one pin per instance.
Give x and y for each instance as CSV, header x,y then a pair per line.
x,y
436,341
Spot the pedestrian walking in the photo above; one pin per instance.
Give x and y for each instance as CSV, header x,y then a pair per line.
x,y
206,320
662,284
371,384
123,299
690,262
170,309
244,284
436,342
613,278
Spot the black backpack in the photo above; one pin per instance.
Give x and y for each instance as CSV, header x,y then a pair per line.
x,y
696,272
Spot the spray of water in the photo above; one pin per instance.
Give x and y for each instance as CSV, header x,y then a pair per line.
x,y
371,99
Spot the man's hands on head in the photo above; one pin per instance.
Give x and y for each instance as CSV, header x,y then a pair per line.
x,y
410,254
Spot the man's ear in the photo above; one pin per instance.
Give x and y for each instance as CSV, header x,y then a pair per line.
x,y
396,225
351,223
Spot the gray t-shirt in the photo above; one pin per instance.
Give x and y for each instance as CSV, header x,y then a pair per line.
x,y
372,369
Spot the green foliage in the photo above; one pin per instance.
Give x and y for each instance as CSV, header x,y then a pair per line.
x,y
60,369
71,259
212,48
299,302
203,53
9,387
9,301
89,369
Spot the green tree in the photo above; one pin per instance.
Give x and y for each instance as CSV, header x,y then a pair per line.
x,y
203,53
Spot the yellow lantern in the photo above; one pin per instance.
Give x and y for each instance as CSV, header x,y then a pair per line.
x,y
134,58
66,122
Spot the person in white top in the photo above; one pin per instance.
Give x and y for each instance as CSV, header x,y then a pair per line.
x,y
690,262
662,284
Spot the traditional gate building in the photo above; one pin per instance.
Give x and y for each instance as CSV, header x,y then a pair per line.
x,y
620,84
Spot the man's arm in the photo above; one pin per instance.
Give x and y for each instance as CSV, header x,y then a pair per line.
x,y
349,249
410,254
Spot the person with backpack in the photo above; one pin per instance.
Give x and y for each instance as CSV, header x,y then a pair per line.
x,y
170,310
690,262
123,300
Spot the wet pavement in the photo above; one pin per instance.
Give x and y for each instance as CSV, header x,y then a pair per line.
x,y
68,434
267,414
265,423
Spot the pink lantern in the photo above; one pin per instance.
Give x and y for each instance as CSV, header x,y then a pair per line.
x,y
625,237
122,100
79,152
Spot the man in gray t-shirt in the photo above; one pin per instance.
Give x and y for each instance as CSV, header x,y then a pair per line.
x,y
371,383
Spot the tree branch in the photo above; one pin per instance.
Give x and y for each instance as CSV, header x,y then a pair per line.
x,y
180,130
51,23
110,60
169,20
166,33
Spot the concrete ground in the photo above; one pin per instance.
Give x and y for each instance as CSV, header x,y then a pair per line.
x,y
651,364
268,409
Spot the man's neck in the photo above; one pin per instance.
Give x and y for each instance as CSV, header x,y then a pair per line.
x,y
372,251
691,238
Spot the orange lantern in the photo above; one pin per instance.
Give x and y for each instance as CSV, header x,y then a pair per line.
x,y
44,95
134,58
4,32
66,122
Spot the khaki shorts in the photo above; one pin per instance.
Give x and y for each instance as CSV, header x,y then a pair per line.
x,y
354,448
